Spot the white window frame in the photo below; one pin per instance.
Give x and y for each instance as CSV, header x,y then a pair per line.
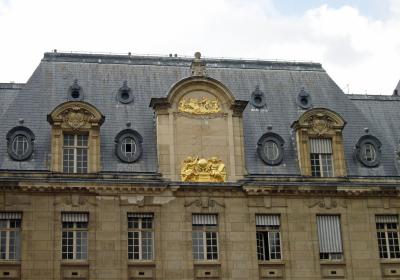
x,y
386,231
75,149
140,230
17,239
271,228
75,219
203,229
322,157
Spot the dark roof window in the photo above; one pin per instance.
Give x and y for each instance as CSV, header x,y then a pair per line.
x,y
270,148
304,99
258,99
368,151
128,145
125,94
20,143
75,92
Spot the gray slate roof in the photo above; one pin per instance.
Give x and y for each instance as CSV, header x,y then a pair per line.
x,y
100,77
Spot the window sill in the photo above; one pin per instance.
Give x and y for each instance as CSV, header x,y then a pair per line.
x,y
272,262
333,262
141,263
390,261
207,262
75,262
10,262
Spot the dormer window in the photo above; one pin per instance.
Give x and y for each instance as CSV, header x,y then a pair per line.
x,y
320,143
75,145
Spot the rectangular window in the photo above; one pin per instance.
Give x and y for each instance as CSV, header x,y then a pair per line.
x,y
75,153
140,236
205,236
387,228
75,236
321,157
10,236
268,237
330,240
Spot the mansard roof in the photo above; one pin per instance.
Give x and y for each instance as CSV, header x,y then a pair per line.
x,y
101,76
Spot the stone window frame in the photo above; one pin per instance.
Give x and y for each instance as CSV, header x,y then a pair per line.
x,y
75,117
320,123
278,140
140,230
268,230
79,228
137,138
20,131
212,230
11,228
372,140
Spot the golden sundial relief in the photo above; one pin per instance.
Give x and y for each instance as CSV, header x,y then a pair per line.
x,y
199,107
195,169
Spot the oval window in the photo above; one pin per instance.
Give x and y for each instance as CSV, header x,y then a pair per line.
x,y
128,145
368,151
270,148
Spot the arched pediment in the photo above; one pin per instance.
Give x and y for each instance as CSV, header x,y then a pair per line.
x,y
320,121
75,115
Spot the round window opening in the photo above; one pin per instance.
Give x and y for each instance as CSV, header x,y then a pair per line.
x,y
271,150
20,145
368,151
304,101
257,99
75,94
124,95
128,147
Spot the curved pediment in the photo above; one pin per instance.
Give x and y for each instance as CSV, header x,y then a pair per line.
x,y
75,115
320,121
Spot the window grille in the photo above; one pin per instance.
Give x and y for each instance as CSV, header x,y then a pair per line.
x,y
205,236
387,230
321,157
10,236
74,236
140,236
75,153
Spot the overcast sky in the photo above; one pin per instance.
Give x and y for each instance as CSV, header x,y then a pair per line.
x,y
357,41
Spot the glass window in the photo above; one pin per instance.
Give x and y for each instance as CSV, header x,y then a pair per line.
x,y
321,157
128,147
10,236
74,236
20,145
205,237
369,153
271,150
330,240
75,153
268,237
140,236
387,230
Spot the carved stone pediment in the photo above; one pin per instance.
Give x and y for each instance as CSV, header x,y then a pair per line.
x,y
319,121
75,115
321,124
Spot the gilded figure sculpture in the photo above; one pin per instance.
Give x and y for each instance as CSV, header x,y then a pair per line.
x,y
199,107
195,169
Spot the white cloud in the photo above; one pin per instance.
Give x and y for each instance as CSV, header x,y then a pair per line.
x,y
354,49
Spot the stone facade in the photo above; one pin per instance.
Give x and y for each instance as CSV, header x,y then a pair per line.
x,y
183,111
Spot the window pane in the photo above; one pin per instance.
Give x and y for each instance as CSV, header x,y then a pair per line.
x,y
198,246
20,145
271,150
369,152
128,147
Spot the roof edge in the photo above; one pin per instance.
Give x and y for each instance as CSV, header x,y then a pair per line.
x,y
180,61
